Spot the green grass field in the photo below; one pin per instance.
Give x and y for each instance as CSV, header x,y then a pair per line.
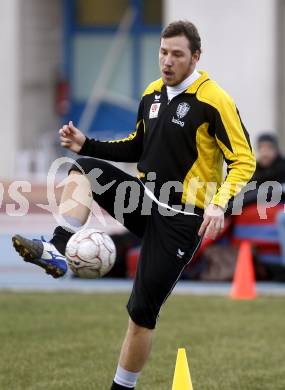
x,y
71,341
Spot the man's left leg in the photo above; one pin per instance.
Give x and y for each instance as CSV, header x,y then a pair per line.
x,y
134,354
168,246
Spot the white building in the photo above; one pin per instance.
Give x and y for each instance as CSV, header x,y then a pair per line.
x,y
242,50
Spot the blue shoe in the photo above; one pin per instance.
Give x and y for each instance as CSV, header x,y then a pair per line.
x,y
41,253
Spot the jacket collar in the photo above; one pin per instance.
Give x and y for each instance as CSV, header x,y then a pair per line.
x,y
195,86
159,86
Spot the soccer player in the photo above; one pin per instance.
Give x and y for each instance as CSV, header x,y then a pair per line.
x,y
187,125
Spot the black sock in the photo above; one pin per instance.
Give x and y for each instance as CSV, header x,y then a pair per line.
x,y
60,238
115,386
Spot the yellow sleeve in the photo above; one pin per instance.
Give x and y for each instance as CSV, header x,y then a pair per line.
x,y
233,140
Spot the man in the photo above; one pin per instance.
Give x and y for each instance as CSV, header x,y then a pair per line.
x,y
270,167
187,125
270,164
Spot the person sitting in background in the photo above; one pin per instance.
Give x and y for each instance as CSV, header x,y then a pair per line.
x,y
270,167
281,234
245,214
270,163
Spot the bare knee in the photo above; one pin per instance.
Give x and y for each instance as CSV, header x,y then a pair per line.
x,y
136,329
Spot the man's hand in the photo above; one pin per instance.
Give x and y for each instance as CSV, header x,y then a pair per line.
x,y
71,138
213,221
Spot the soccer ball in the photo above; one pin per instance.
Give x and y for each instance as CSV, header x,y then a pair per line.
x,y
90,253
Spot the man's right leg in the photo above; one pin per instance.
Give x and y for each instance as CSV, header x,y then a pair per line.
x,y
74,208
102,183
108,187
74,213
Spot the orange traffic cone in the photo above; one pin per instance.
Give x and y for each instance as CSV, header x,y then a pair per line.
x,y
243,286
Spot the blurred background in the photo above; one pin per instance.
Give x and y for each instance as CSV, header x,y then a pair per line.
x,y
90,60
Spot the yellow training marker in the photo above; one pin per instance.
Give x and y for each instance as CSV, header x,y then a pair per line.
x,y
182,378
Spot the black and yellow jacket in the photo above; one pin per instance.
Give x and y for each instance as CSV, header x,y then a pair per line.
x,y
186,140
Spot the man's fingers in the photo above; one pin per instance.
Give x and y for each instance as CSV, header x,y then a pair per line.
x,y
65,139
62,132
213,222
65,145
218,225
71,127
210,231
203,227
67,130
65,142
211,227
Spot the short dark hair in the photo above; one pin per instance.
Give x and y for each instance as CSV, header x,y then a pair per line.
x,y
186,28
267,137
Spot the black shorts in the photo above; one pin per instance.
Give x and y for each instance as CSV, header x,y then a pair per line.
x,y
168,242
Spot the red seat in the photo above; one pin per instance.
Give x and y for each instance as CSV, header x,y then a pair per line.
x,y
261,232
132,261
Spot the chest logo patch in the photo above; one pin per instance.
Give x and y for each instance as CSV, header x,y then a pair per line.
x,y
154,109
182,110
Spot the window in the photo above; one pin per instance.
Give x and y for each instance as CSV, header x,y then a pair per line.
x,y
152,12
99,12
